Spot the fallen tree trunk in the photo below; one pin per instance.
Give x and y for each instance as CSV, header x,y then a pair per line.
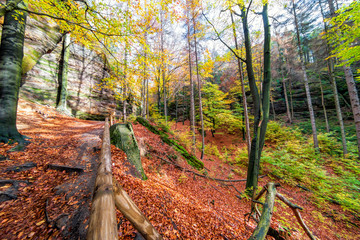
x,y
264,223
263,226
295,208
129,209
103,223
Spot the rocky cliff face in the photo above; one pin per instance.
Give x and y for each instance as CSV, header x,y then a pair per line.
x,y
42,50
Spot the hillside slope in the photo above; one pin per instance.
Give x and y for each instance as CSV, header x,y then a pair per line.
x,y
55,204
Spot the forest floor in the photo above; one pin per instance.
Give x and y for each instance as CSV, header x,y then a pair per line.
x,y
39,202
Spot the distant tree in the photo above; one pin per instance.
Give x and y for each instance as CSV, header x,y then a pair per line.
x,y
306,81
63,74
343,34
330,68
216,109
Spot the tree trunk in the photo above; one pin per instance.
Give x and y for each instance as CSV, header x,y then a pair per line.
x,y
288,113
333,81
11,55
163,64
354,99
244,101
286,102
262,228
306,82
266,82
261,114
291,99
63,74
253,167
199,90
324,107
192,105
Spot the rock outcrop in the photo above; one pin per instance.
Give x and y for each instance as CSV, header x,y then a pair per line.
x,y
42,50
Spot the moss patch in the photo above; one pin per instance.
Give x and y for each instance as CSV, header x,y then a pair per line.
x,y
191,159
122,136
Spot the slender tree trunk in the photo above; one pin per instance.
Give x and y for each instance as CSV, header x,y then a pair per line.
x,y
162,63
192,105
354,99
306,82
286,102
337,106
63,74
184,104
199,90
324,107
176,109
267,79
125,83
273,107
244,101
333,81
291,99
261,106
147,98
288,113
11,55
253,166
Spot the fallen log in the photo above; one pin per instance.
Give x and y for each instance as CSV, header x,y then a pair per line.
x,y
129,209
264,222
262,228
295,208
103,214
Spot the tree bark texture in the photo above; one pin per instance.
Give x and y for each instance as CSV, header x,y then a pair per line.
x,y
262,228
244,101
330,65
253,167
192,104
354,99
63,74
261,106
199,90
324,107
306,82
11,55
163,63
103,223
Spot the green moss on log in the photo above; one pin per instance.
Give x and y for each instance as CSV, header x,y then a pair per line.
x,y
191,159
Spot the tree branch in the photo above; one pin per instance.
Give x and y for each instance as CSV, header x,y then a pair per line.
x,y
218,35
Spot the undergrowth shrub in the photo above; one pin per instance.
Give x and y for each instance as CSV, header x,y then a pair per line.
x,y
212,149
329,176
329,145
277,133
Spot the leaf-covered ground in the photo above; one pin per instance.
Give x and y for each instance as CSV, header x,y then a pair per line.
x,y
55,204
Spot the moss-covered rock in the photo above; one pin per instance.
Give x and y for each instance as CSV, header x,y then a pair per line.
x,y
191,159
122,136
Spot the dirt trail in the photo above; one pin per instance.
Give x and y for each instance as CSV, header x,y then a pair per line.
x,y
54,204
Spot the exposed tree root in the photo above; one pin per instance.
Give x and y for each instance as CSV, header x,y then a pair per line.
x,y
201,175
64,168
